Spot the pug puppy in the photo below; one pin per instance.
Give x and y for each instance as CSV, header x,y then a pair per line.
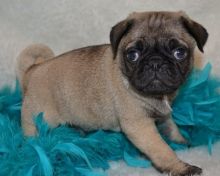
x,y
126,86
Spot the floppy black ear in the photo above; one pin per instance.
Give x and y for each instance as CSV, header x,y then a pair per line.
x,y
197,31
117,32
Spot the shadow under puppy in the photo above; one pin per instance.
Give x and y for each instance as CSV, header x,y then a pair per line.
x,y
127,85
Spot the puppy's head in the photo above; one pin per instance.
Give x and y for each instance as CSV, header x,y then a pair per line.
x,y
155,50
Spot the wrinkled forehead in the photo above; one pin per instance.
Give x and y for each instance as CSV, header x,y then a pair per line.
x,y
157,25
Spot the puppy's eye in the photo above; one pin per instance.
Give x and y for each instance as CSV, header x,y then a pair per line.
x,y
180,53
133,55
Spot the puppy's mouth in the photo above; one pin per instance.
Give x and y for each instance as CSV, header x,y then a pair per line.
x,y
158,87
156,83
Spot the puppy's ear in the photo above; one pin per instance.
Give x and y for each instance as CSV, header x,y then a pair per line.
x,y
117,32
196,30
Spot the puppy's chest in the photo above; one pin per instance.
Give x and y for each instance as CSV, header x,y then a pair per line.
x,y
158,109
157,116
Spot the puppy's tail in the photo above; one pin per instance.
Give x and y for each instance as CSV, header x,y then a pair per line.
x,y
32,55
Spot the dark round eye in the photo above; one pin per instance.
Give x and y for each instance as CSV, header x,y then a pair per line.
x,y
133,55
180,53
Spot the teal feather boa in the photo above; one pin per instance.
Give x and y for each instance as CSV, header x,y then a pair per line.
x,y
67,151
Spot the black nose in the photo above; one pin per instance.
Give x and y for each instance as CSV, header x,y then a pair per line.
x,y
155,63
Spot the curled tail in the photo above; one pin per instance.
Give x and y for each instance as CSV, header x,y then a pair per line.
x,y
33,54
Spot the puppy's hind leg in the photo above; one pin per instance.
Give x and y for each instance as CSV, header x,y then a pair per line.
x,y
27,123
31,109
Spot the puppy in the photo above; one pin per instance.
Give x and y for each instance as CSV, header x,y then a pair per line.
x,y
126,86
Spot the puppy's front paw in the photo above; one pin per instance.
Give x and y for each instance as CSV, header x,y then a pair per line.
x,y
189,171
